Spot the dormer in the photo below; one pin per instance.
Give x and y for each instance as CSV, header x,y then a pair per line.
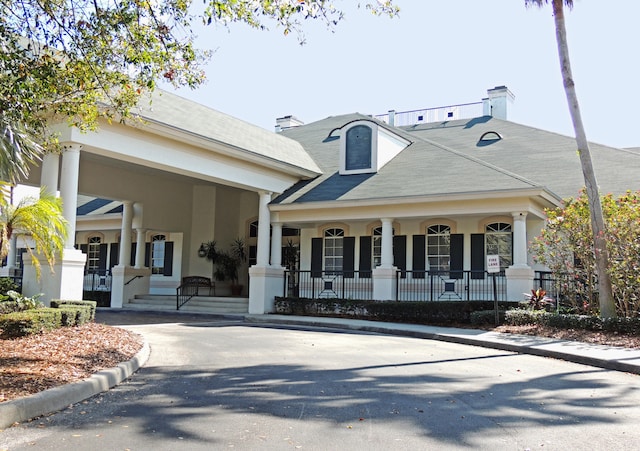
x,y
366,147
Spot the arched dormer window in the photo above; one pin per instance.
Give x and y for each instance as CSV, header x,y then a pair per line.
x,y
358,152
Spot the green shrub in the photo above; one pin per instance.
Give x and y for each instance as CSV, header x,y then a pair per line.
x,y
522,317
7,284
486,317
440,312
28,322
56,303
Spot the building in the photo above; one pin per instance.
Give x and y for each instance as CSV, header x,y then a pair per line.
x,y
388,207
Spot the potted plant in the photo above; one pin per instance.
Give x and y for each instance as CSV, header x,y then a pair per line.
x,y
229,262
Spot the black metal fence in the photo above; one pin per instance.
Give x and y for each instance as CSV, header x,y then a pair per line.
x,y
450,286
96,286
410,285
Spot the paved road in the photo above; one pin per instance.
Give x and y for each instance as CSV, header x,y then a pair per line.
x,y
224,384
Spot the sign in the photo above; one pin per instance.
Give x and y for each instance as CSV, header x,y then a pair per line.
x,y
493,263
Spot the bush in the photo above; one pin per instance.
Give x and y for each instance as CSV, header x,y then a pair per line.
x,y
19,303
75,315
35,321
57,303
7,284
487,317
440,312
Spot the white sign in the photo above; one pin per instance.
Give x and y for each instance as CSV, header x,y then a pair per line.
x,y
493,263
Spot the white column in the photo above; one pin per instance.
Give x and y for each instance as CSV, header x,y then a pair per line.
x,y
276,244
69,189
140,247
386,257
264,219
125,234
49,173
520,239
12,255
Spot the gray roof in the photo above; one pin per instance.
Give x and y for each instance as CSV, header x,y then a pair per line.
x,y
190,117
422,169
547,158
447,158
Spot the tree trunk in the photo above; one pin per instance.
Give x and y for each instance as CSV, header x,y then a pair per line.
x,y
607,304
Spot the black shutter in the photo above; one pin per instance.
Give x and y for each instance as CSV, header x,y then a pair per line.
x,y
477,255
365,257
456,255
113,254
419,264
348,256
102,258
84,248
316,257
132,257
400,253
147,255
168,258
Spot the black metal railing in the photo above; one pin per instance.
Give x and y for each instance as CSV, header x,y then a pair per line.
x,y
568,290
410,285
97,280
450,285
356,285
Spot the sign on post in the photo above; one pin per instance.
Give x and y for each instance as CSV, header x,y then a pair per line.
x,y
493,263
493,267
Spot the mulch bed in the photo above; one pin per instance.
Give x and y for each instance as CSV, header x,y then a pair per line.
x,y
38,362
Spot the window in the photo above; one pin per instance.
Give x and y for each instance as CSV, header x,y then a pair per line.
x,y
358,148
158,248
333,250
93,254
499,241
376,248
439,247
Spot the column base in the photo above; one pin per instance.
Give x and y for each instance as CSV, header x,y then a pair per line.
x,y
64,281
519,281
126,282
265,283
384,283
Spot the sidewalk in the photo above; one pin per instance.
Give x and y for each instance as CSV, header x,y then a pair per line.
x,y
613,358
608,357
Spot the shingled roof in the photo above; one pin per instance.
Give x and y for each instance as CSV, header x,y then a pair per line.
x,y
424,168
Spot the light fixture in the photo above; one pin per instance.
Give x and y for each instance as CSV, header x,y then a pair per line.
x,y
202,252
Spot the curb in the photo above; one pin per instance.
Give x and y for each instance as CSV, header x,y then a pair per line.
x,y
600,356
58,398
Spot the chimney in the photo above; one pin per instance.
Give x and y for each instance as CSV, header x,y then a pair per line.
x,y
497,103
392,117
286,122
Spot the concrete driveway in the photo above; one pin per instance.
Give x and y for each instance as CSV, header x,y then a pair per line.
x,y
225,384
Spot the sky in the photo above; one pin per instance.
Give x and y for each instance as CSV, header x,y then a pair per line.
x,y
435,53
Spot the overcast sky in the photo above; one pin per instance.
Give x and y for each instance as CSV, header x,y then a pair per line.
x,y
435,53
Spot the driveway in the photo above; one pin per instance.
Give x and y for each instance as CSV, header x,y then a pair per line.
x,y
226,384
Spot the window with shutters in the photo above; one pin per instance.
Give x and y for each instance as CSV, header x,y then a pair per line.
x,y
439,247
158,249
333,252
499,241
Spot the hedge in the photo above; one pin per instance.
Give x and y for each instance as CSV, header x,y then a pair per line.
x,y
28,322
519,317
34,321
56,303
440,312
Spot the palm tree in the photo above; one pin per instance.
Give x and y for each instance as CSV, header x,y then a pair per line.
x,y
607,304
19,149
39,219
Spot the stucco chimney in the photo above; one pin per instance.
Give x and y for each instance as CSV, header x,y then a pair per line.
x,y
497,103
283,123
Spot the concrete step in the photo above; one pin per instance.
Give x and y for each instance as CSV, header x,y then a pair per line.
x,y
197,304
